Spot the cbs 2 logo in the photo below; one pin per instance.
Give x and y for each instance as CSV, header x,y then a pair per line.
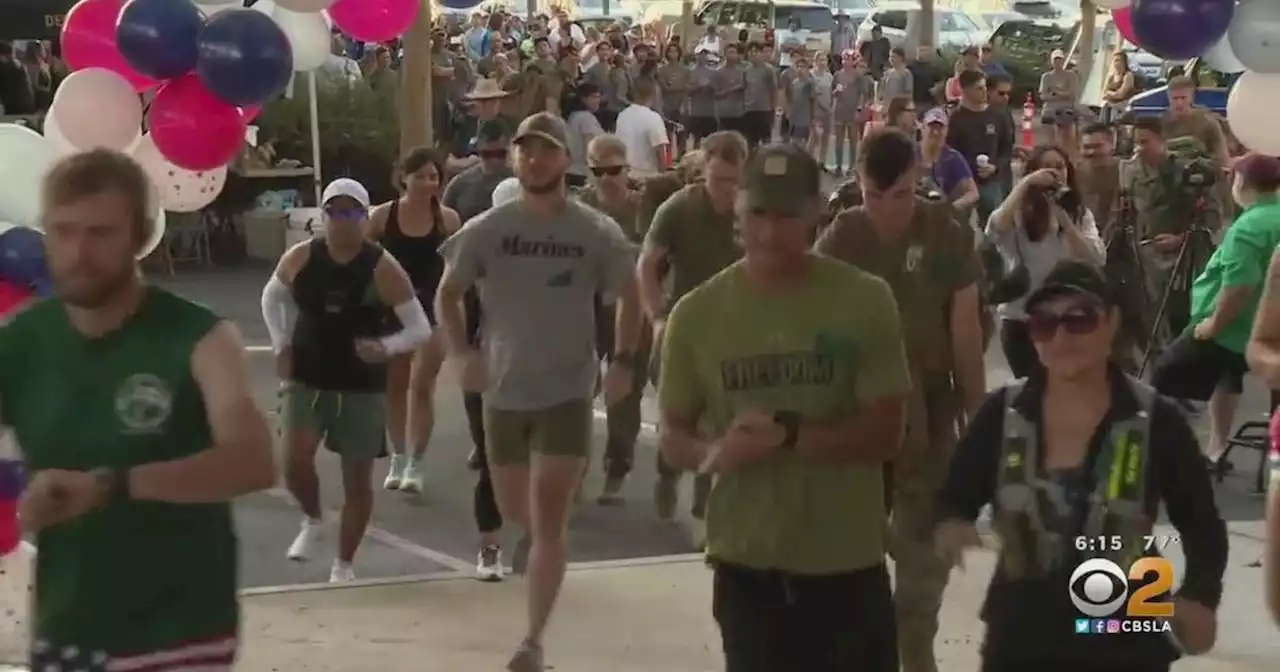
x,y
1099,587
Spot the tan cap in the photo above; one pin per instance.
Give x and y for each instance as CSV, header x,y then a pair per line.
x,y
546,126
781,178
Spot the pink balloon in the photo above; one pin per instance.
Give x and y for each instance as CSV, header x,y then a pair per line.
x,y
193,128
89,41
374,20
250,112
1123,19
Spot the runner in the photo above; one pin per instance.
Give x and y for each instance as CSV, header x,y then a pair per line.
x,y
325,311
692,236
161,433
411,229
611,194
539,263
795,408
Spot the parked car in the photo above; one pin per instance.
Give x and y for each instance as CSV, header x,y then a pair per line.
x,y
993,20
756,20
899,19
629,11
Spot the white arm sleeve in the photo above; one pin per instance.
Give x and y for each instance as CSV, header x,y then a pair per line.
x,y
279,312
415,332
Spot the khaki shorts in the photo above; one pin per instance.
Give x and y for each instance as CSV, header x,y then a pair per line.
x,y
564,430
352,424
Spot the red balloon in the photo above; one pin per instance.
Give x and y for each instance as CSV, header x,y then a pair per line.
x,y
1123,19
193,128
89,41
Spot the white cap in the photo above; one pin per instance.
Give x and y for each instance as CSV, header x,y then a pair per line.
x,y
507,191
345,186
1057,53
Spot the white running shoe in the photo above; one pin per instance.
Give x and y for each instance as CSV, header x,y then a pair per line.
x,y
411,478
341,572
489,564
300,549
395,473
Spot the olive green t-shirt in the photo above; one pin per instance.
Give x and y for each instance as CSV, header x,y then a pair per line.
x,y
728,348
134,576
698,241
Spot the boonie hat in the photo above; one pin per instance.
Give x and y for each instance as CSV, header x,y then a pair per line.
x,y
781,178
546,126
1072,278
345,186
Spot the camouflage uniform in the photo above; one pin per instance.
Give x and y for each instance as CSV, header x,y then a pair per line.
x,y
935,260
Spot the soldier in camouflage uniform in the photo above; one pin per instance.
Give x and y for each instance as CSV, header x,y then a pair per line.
x,y
930,262
1149,181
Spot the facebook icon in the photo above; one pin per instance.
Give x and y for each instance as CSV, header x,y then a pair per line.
x,y
1099,626
1082,626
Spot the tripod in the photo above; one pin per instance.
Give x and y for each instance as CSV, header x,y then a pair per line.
x,y
1125,274
1191,254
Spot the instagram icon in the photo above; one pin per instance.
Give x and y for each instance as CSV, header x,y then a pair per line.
x,y
1113,626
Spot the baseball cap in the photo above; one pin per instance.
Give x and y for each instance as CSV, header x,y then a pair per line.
x,y
345,186
1072,278
546,126
1258,171
1056,54
935,115
780,178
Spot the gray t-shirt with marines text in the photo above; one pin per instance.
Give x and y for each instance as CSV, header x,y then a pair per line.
x,y
538,278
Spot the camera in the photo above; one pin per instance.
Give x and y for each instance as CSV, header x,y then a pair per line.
x,y
1195,176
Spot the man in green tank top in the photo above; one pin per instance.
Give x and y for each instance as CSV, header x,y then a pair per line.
x,y
138,427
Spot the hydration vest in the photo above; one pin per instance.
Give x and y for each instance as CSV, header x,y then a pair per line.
x,y
1117,504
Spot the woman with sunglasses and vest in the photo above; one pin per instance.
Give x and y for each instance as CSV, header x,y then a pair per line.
x,y
1076,462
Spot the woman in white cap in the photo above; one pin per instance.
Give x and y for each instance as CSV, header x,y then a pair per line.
x,y
325,312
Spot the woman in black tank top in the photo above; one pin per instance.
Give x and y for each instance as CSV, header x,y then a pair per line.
x,y
411,229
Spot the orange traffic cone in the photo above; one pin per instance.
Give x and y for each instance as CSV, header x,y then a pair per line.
x,y
1028,139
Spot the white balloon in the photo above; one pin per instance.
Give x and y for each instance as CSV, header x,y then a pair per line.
x,y
178,189
305,6
156,237
5,226
1254,35
308,36
267,7
94,108
57,142
25,158
1112,4
1220,57
1253,99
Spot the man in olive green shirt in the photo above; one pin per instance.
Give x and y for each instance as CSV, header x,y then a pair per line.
x,y
795,408
691,239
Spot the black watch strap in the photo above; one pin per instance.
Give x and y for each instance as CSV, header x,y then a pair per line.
x,y
790,422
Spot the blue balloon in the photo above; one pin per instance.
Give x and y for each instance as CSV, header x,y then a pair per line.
x,y
13,479
245,59
158,37
1176,29
22,261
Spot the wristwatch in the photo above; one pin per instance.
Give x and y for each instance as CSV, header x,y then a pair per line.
x,y
790,422
114,482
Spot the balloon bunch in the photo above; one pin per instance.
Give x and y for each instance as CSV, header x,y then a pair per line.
x,y
1231,37
12,475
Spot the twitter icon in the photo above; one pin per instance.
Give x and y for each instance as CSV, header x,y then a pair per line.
x,y
1082,626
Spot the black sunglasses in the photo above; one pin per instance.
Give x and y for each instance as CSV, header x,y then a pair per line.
x,y
492,153
1076,320
601,171
345,214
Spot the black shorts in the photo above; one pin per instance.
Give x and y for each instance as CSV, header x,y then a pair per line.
x,y
701,127
1192,369
776,622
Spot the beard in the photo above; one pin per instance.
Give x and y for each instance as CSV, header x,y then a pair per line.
x,y
79,291
545,187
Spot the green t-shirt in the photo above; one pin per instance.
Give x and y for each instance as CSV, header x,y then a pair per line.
x,y
127,577
728,348
699,242
1240,261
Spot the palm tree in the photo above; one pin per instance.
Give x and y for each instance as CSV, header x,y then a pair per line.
x,y
926,25
1085,46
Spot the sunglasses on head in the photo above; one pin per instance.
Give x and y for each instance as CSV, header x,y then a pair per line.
x,y
601,171
345,214
1077,320
492,153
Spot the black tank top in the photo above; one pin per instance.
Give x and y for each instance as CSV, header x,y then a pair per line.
x,y
418,255
337,303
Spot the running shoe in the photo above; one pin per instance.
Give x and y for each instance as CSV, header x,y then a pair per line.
x,y
489,564
300,549
411,478
528,658
341,572
395,473
612,492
